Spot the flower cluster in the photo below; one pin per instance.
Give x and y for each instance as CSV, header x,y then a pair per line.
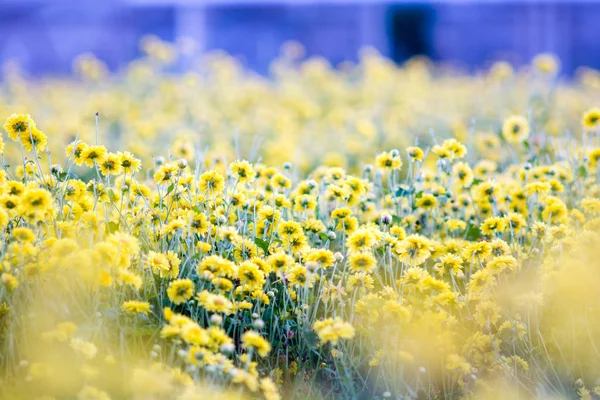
x,y
461,264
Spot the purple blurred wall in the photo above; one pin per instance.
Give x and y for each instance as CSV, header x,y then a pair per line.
x,y
44,36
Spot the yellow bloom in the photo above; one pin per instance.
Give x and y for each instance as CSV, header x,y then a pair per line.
x,y
362,261
591,118
93,154
387,161
110,165
242,171
215,302
413,250
128,162
515,129
332,330
35,138
492,225
166,265
426,202
211,182
133,307
180,290
253,340
415,153
18,125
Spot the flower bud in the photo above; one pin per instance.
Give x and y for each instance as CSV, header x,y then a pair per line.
x,y
386,219
227,348
258,324
216,319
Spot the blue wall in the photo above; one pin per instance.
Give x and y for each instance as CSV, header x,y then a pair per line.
x,y
44,36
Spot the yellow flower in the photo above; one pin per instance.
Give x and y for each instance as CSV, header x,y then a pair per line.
x,y
332,330
546,63
477,250
211,182
415,153
35,204
449,263
426,202
253,340
304,203
128,162
242,171
501,264
23,235
215,302
110,165
35,138
299,275
166,265
463,174
362,239
458,364
324,258
75,150
180,290
18,125
413,250
269,389
515,222
455,224
280,261
388,161
591,206
362,261
166,173
591,118
93,154
133,307
281,182
492,225
501,70
515,129
89,392
87,349
456,149
10,281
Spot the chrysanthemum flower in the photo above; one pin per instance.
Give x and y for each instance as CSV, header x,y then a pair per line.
x,y
515,129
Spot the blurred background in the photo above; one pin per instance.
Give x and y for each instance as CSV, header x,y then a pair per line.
x,y
44,36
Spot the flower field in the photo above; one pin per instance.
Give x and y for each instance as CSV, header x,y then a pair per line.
x,y
360,231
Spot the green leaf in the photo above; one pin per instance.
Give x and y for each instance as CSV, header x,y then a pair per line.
x,y
323,236
404,191
197,210
113,227
476,182
263,244
396,220
170,188
111,195
267,315
582,171
311,339
473,233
